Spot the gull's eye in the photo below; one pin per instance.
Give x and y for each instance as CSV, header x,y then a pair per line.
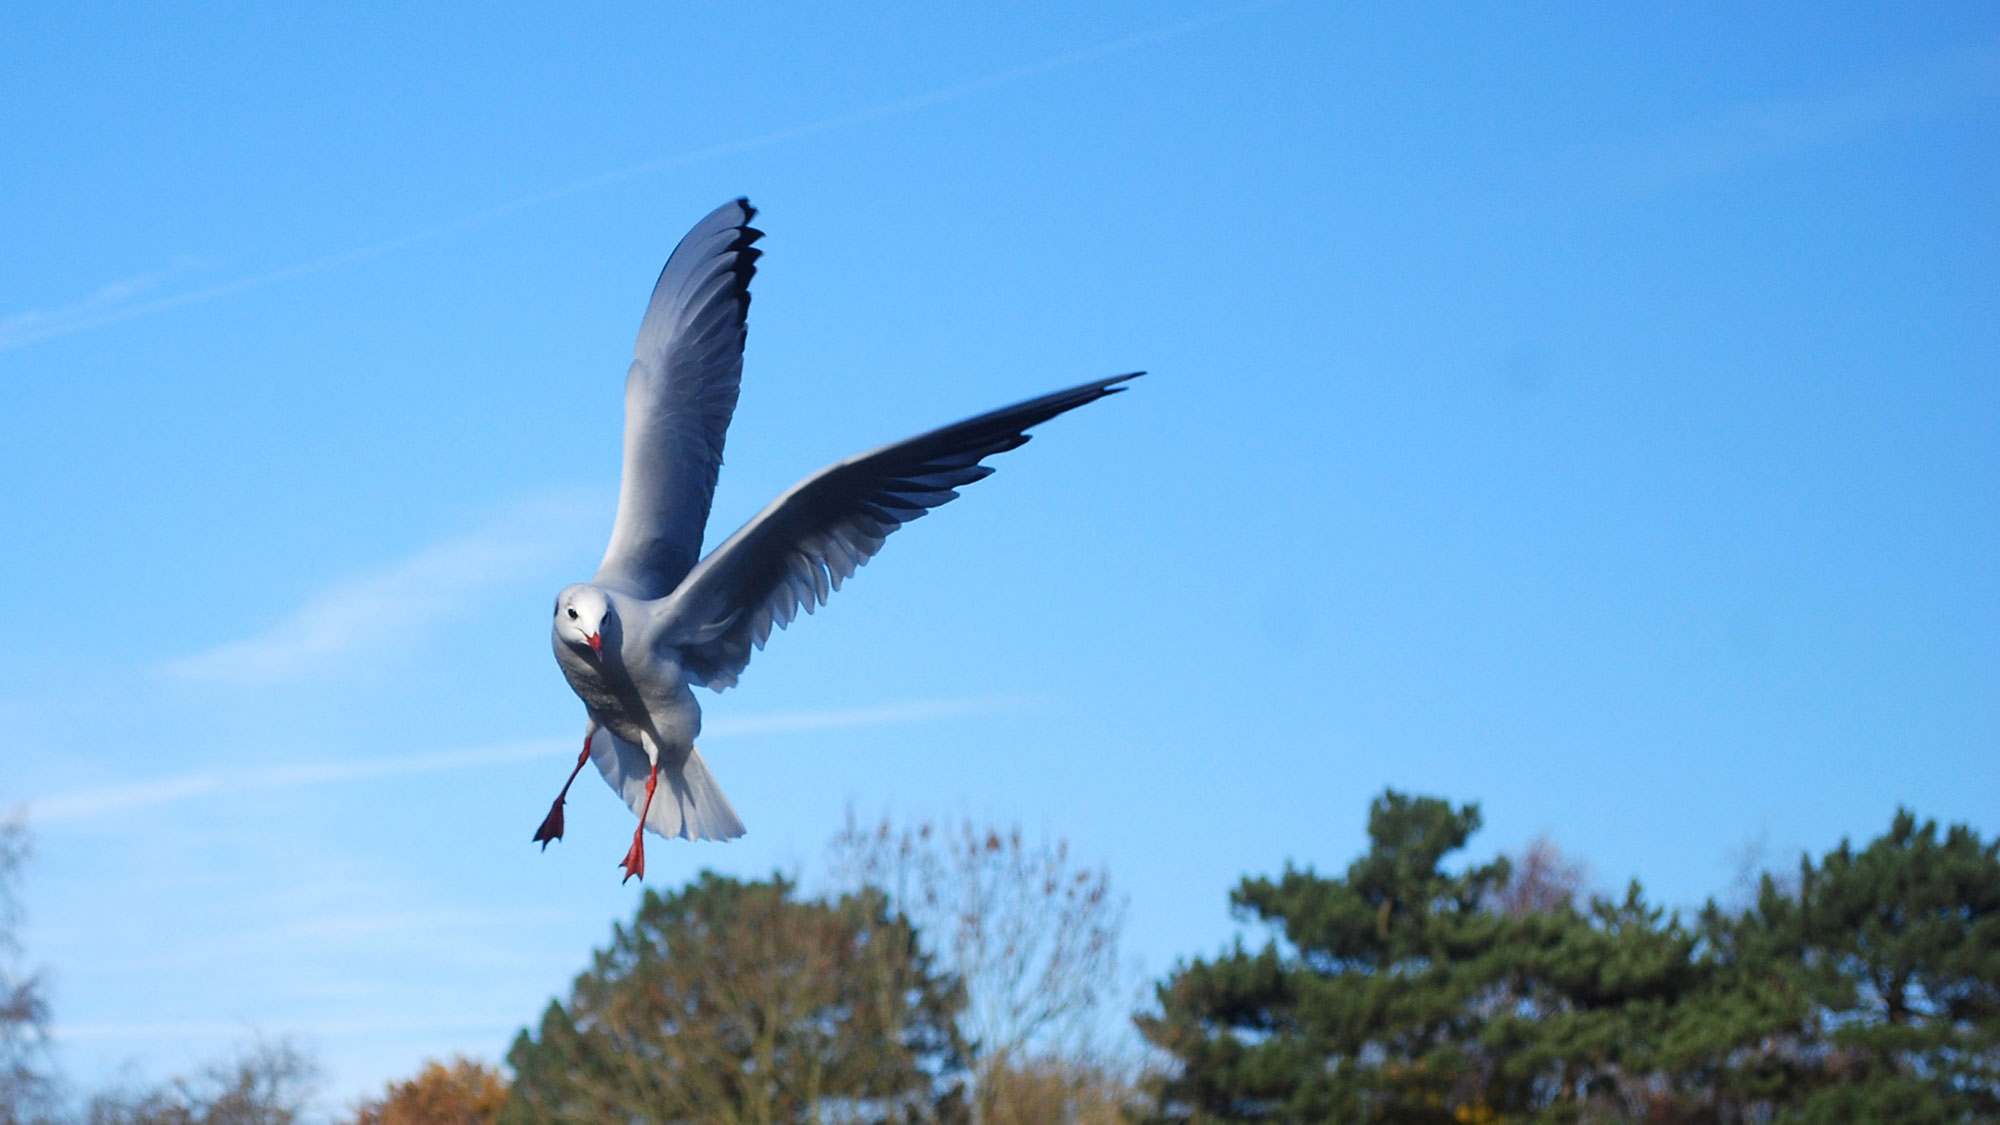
x,y
572,614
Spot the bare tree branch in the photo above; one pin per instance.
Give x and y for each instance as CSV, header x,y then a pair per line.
x,y
1031,932
27,1092
1542,878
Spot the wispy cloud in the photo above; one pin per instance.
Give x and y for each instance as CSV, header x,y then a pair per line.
x,y
885,715
109,299
91,804
151,1029
441,581
110,799
119,301
330,1028
104,801
1764,130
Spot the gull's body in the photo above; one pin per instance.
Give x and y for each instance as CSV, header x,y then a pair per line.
x,y
654,623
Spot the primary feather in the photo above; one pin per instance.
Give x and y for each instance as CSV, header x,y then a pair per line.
x,y
680,393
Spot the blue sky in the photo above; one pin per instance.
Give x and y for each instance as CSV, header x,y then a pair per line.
x,y
1595,414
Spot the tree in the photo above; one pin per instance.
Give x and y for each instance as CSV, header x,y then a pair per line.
x,y
1033,935
463,1093
1912,926
1408,992
1866,990
734,1001
1055,1091
1869,987
267,1083
1365,1016
1541,879
26,1090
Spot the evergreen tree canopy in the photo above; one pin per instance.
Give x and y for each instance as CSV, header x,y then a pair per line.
x,y
1409,992
736,1002
1870,991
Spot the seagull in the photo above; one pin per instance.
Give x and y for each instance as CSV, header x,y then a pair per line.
x,y
654,622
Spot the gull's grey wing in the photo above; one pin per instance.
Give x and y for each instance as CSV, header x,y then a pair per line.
x,y
679,396
797,551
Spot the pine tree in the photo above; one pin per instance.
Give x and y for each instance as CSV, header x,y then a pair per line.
x,y
1405,992
1868,991
1893,952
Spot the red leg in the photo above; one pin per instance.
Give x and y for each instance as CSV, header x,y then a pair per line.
x,y
634,862
552,825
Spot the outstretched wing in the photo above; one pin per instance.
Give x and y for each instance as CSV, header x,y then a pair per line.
x,y
797,551
679,395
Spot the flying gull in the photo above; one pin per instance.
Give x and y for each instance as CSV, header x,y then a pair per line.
x,y
655,623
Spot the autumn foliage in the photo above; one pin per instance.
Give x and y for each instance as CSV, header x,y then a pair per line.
x,y
462,1092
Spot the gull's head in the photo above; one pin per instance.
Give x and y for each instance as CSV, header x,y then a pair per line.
x,y
582,616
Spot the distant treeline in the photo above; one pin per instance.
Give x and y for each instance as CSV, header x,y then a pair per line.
x,y
962,974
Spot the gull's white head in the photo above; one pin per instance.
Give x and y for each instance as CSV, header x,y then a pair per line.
x,y
583,616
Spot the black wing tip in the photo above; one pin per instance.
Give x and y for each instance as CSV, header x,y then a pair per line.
x,y
744,262
1029,413
1115,384
1086,393
1092,391
742,204
750,233
739,222
743,246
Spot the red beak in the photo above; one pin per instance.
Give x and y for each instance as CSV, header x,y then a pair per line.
x,y
596,643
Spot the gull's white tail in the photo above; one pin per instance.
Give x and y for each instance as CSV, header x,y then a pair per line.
x,y
688,804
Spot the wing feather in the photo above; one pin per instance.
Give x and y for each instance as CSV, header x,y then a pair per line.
x,y
679,396
795,553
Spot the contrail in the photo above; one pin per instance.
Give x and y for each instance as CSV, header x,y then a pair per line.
x,y
92,804
30,328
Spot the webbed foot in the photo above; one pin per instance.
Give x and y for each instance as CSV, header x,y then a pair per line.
x,y
552,825
634,862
